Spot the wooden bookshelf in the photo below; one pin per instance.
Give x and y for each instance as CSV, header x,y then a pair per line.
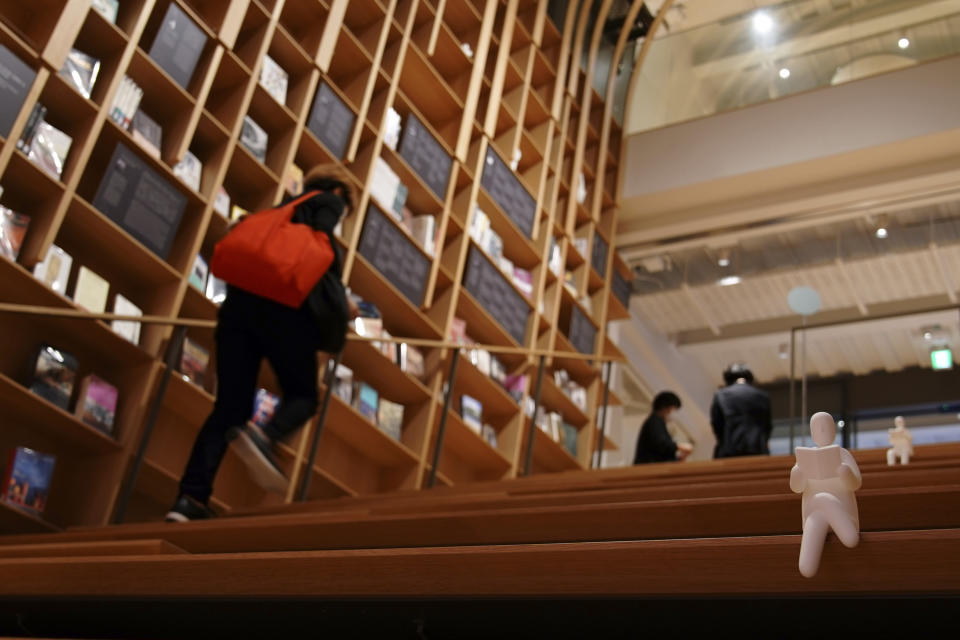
x,y
478,74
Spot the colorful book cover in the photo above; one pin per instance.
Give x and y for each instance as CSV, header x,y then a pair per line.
x,y
54,375
390,418
28,479
471,410
97,403
194,360
13,229
264,406
254,139
129,329
570,435
198,275
524,281
515,385
91,291
80,71
458,331
368,401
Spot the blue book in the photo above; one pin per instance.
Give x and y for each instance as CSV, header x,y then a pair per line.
x,y
368,401
570,434
28,479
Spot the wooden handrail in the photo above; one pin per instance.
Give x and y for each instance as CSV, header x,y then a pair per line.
x,y
55,312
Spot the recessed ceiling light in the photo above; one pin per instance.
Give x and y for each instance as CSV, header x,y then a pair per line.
x,y
927,335
723,258
903,43
728,281
762,22
841,424
882,232
784,73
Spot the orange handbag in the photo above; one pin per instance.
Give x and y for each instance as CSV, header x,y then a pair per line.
x,y
271,256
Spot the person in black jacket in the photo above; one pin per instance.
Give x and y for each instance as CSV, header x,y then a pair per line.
x,y
251,328
654,443
740,416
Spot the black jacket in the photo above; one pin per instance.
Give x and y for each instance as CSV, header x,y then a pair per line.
x,y
741,420
654,443
327,302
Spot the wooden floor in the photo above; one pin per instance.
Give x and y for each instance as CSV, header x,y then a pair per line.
x,y
699,531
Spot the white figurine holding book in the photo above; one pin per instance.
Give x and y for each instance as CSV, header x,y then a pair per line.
x,y
901,443
827,476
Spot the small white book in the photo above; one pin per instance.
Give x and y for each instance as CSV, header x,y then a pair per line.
x,y
128,329
221,203
819,463
423,230
91,291
189,169
274,79
54,271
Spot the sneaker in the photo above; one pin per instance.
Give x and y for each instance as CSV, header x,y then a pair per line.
x,y
255,450
187,508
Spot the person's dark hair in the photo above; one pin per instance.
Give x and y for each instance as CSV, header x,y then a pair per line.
x,y
666,399
736,371
327,177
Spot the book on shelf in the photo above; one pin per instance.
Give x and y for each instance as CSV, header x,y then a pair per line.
x,y
37,113
54,270
479,225
254,139
274,80
556,258
581,245
561,377
368,327
189,170
264,406
18,79
13,229
506,266
91,291
343,386
49,148
497,371
523,279
106,8
458,331
129,329
388,349
198,274
494,247
410,360
54,375
221,202
569,438
216,290
489,434
581,188
387,189
80,71
471,410
178,44
392,128
293,180
27,481
390,418
516,386
368,401
554,420
424,231
483,361
97,403
126,102
147,133
578,395
194,361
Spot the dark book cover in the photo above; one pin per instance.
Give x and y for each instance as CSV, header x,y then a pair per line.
x,y
178,45
30,129
147,132
254,139
54,375
16,78
27,483
194,360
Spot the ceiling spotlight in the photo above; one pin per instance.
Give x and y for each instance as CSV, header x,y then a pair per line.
x,y
729,281
723,258
903,43
762,22
784,73
841,424
882,222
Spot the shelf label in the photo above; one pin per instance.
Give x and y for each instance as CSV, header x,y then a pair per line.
x,y
508,192
620,288
426,156
582,334
486,283
394,256
598,257
331,120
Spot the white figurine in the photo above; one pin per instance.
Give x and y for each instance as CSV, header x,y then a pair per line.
x,y
901,443
826,475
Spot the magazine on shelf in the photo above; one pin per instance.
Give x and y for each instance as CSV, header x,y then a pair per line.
x,y
128,329
80,71
147,132
471,410
91,291
189,170
54,271
97,403
27,481
198,274
49,149
390,418
254,139
13,229
37,113
274,80
368,401
54,375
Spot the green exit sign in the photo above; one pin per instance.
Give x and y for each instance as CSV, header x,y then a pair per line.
x,y
941,359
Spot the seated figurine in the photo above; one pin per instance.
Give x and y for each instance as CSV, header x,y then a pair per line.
x,y
901,443
827,476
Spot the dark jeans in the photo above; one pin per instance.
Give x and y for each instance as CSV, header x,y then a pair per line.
x,y
250,329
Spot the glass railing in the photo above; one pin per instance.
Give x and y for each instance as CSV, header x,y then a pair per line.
x,y
784,49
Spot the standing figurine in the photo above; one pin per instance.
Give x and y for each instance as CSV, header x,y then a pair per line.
x,y
901,442
827,476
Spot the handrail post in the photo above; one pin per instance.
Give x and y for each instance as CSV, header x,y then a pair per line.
x,y
447,397
531,434
315,444
126,492
603,421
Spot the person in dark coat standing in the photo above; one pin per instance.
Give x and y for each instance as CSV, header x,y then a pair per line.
x,y
740,416
654,443
251,329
